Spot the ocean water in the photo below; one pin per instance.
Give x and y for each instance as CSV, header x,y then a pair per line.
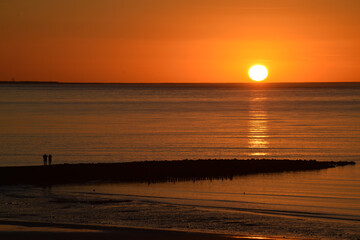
x,y
116,123
136,122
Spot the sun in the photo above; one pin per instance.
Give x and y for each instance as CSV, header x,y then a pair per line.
x,y
258,72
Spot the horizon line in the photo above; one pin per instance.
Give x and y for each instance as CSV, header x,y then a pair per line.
x,y
169,83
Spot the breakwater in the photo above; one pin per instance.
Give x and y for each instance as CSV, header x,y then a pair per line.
x,y
155,171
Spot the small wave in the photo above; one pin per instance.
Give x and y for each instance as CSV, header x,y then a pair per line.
x,y
288,213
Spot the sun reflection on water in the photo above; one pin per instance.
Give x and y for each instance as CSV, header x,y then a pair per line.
x,y
258,126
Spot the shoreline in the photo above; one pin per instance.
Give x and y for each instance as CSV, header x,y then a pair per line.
x,y
18,230
155,171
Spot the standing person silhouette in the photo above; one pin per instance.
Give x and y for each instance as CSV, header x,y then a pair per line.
x,y
50,159
45,159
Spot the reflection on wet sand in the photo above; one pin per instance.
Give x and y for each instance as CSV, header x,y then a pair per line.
x,y
258,126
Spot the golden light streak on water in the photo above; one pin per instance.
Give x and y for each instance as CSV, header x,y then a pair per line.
x,y
258,126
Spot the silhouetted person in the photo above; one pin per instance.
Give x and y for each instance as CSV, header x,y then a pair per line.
x,y
50,159
45,159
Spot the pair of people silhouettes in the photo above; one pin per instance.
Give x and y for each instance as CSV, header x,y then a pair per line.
x,y
46,158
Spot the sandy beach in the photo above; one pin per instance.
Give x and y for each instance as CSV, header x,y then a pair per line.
x,y
17,230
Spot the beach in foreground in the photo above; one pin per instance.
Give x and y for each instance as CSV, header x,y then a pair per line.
x,y
271,205
17,230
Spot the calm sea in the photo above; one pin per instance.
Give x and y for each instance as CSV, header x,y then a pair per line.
x,y
137,122
133,122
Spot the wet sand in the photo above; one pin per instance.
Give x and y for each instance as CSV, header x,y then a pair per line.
x,y
18,230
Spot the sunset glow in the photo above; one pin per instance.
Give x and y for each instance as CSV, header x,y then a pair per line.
x,y
179,119
179,41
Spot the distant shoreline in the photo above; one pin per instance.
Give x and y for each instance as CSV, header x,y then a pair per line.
x,y
155,171
181,83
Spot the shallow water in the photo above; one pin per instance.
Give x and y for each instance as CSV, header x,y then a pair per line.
x,y
312,204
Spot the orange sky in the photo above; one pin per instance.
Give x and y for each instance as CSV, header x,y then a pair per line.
x,y
179,40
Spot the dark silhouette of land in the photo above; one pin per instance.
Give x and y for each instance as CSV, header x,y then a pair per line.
x,y
155,171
